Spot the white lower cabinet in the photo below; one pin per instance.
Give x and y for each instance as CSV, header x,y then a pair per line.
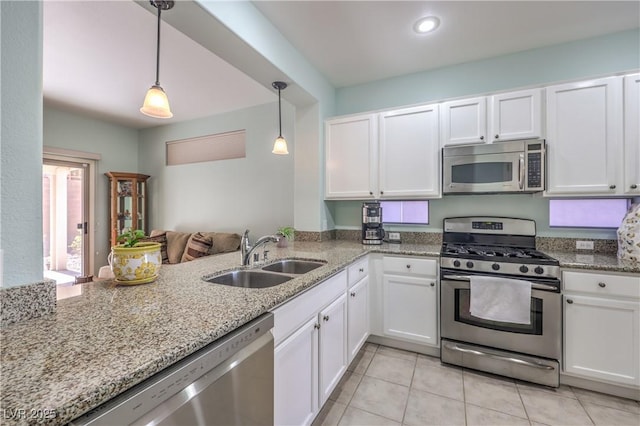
x,y
602,327
310,356
296,377
410,299
358,321
333,348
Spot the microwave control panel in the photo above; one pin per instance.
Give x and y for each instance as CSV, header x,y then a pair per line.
x,y
534,169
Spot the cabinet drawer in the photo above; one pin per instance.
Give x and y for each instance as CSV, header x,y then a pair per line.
x,y
358,270
602,284
410,266
294,313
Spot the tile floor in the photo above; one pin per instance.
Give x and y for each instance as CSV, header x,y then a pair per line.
x,y
386,386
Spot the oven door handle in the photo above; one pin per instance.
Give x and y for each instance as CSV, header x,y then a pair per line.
x,y
535,286
465,349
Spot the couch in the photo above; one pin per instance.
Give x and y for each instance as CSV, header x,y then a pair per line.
x,y
178,247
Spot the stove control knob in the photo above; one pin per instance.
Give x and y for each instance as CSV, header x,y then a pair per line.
x,y
538,270
495,266
524,269
469,264
456,263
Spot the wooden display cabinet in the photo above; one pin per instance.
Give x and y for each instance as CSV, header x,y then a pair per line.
x,y
128,197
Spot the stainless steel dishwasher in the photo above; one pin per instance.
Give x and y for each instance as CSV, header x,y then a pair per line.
x,y
229,382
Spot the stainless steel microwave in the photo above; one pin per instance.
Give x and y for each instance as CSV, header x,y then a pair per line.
x,y
514,166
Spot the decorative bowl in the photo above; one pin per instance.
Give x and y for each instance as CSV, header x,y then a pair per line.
x,y
136,265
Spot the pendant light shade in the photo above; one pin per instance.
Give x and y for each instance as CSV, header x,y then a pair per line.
x,y
156,103
280,144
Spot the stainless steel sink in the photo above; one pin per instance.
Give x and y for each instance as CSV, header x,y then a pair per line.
x,y
250,279
293,266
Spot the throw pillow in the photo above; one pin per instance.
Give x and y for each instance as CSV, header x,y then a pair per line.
x,y
197,246
162,239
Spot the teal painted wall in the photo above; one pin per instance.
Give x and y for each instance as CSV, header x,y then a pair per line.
x,y
21,148
253,193
615,53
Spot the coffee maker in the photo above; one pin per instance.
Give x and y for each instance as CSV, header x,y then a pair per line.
x,y
372,232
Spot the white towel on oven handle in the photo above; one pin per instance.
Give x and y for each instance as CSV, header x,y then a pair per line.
x,y
500,299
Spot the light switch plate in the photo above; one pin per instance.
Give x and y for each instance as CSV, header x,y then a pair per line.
x,y
584,245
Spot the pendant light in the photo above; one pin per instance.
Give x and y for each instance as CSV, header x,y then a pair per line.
x,y
280,145
156,103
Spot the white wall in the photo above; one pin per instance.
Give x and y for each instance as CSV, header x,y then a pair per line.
x,y
118,148
21,147
253,193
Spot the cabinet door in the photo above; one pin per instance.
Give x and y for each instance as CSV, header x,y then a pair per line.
x,y
410,153
333,346
351,158
358,317
410,308
464,121
516,115
602,338
296,377
632,134
584,137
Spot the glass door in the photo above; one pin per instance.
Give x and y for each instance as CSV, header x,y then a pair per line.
x,y
65,206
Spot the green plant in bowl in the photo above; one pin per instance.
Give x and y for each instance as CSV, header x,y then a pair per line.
x,y
130,237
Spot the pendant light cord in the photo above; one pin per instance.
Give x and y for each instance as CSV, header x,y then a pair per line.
x,y
280,111
159,7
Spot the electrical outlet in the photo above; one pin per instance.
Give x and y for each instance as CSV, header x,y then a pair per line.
x,y
393,235
584,245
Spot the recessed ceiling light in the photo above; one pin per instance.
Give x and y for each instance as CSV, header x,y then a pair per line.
x,y
426,25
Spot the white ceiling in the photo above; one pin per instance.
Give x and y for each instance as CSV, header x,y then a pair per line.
x,y
99,56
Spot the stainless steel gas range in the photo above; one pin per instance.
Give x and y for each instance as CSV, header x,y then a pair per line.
x,y
500,248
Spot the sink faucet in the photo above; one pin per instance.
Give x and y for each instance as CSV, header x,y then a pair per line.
x,y
246,248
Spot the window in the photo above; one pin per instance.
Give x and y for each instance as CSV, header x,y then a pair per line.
x,y
407,212
598,213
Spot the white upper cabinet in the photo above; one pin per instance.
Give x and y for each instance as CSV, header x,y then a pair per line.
x,y
464,121
410,153
632,134
351,157
584,137
516,115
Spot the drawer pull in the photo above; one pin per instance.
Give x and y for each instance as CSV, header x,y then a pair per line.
x,y
353,294
316,326
569,301
326,317
361,269
603,285
634,186
408,266
432,284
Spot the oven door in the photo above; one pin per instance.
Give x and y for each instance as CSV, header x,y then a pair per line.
x,y
542,337
502,172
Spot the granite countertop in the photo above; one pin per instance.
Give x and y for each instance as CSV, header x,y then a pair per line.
x,y
110,337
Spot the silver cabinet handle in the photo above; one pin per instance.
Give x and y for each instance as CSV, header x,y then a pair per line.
x,y
353,294
612,187
361,269
474,351
497,136
481,138
316,326
634,186
432,284
408,266
326,317
570,301
603,285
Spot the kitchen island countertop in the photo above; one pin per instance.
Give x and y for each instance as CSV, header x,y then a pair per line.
x,y
111,337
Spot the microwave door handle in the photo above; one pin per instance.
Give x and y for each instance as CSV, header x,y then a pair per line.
x,y
521,172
